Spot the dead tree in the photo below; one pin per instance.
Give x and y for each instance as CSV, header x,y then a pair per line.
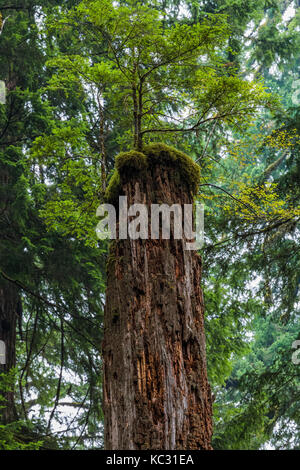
x,y
156,392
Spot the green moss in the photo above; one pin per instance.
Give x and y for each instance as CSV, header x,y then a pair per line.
x,y
133,162
184,166
113,189
128,162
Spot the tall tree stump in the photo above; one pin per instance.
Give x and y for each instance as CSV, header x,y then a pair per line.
x,y
156,392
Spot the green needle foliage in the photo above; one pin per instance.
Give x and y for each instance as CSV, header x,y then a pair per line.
x,y
58,280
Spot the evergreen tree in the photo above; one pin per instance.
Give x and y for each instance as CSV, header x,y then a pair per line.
x,y
51,284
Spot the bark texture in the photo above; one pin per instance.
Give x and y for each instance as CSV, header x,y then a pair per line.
x,y
8,315
156,392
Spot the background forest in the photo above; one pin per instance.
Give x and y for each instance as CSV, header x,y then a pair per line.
x,y
233,105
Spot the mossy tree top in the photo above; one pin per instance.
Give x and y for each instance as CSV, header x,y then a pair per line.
x,y
132,162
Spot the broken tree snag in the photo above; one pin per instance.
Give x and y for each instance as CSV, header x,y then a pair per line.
x,y
156,392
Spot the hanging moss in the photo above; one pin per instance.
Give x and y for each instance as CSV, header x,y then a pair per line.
x,y
133,162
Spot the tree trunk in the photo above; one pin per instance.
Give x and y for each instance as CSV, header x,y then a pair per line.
x,y
156,393
8,314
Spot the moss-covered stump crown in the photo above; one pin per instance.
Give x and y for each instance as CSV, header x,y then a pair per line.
x,y
134,162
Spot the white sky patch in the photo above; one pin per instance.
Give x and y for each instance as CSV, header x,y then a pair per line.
x,y
274,70
254,284
183,12
65,415
289,13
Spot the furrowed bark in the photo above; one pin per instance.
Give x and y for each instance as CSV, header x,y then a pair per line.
x,y
8,316
156,392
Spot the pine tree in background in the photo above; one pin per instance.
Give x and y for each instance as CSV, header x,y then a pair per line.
x,y
51,284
